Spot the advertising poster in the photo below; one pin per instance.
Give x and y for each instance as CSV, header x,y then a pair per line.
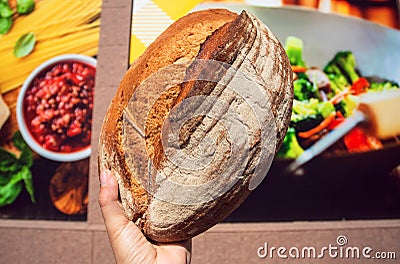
x,y
338,58
48,54
237,186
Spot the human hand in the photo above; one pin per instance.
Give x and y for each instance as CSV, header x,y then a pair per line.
x,y
127,241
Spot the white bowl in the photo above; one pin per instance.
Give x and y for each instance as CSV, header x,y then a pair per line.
x,y
25,132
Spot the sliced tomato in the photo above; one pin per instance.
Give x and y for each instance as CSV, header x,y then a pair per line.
x,y
358,141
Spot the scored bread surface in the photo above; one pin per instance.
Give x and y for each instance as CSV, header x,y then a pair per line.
x,y
217,34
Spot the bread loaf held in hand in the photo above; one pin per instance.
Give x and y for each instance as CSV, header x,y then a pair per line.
x,y
196,122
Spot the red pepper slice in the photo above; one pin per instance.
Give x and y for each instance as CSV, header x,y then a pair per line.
x,y
297,69
324,124
360,86
337,121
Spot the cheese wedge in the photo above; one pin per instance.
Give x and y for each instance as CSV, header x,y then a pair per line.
x,y
4,112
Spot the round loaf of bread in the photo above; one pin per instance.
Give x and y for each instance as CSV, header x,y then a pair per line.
x,y
196,122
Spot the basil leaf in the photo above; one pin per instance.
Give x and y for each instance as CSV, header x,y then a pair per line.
x,y
14,170
8,161
26,158
5,10
10,191
25,7
27,177
26,155
19,141
4,178
10,168
5,24
24,45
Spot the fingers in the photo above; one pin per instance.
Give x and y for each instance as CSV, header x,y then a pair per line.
x,y
185,245
171,253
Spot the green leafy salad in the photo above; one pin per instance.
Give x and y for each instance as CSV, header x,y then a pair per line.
x,y
323,98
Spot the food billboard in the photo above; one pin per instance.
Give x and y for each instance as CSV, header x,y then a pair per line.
x,y
48,64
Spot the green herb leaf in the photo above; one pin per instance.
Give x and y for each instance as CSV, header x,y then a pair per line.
x,y
26,155
18,141
14,170
26,158
10,191
5,24
27,177
24,45
8,161
4,178
25,7
5,10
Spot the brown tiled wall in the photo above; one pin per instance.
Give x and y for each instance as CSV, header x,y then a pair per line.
x,y
66,242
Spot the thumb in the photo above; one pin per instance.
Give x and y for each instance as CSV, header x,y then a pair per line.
x,y
113,214
126,239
